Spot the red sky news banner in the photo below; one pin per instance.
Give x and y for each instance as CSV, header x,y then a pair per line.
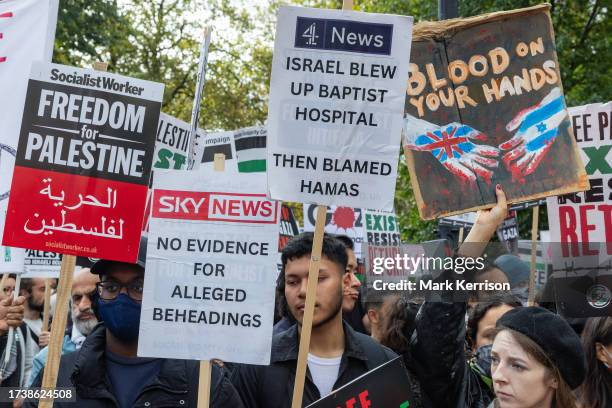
x,y
386,386
211,262
337,95
83,163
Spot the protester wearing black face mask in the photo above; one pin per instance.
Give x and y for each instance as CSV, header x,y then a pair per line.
x,y
106,371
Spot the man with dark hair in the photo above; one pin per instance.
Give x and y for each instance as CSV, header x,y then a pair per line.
x,y
106,371
352,307
337,353
33,289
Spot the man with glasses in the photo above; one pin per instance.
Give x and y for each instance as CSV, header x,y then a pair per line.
x,y
83,318
106,371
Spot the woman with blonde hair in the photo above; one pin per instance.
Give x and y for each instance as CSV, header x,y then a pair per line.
x,y
536,360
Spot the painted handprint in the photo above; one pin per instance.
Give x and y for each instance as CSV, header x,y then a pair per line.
x,y
453,146
536,130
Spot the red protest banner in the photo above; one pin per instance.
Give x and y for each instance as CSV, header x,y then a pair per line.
x,y
83,163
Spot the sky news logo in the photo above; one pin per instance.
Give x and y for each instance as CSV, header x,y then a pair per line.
x,y
343,35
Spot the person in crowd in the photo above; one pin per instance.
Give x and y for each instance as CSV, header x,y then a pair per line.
x,y
338,354
12,374
106,372
351,297
517,271
352,306
33,290
393,325
8,288
377,306
596,390
438,335
82,316
483,317
489,274
480,332
536,360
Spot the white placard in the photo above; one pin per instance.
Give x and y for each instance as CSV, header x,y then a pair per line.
x,y
42,264
211,268
339,221
336,107
582,222
27,30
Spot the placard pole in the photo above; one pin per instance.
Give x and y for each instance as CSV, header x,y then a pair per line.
x,y
195,111
313,278
206,365
64,288
534,248
47,305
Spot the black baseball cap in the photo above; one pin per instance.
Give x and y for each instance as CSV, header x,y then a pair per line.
x,y
102,265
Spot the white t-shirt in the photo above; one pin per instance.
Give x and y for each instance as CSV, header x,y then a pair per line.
x,y
324,372
34,325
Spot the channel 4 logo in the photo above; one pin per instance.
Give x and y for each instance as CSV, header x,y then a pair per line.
x,y
343,35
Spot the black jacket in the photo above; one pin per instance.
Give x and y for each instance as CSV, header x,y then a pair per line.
x,y
272,386
176,385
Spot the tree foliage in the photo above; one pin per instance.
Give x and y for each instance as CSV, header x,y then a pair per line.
x,y
159,40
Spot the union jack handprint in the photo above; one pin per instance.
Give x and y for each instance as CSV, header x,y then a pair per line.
x,y
536,128
452,145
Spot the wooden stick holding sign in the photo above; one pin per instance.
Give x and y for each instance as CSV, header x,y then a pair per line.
x,y
47,305
206,365
534,249
313,278
58,327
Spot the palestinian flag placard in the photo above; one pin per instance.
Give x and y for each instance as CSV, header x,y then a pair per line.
x,y
251,149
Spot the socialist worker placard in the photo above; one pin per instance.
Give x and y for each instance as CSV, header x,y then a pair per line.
x,y
83,163
485,106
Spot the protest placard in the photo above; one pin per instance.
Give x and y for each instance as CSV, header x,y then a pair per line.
x,y
251,148
465,220
335,111
339,221
581,223
203,289
24,25
172,143
218,143
83,163
508,233
288,227
41,264
485,106
385,386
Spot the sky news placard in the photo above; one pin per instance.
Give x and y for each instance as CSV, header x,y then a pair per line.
x,y
83,163
211,262
337,94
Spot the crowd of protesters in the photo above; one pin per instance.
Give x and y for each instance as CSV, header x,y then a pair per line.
x,y
488,350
